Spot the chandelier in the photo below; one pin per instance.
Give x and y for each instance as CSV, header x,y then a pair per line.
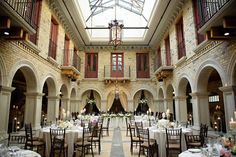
x,y
115,32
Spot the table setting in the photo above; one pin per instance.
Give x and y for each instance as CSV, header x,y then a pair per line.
x,y
14,151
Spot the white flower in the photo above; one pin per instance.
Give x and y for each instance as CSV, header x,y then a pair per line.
x,y
143,101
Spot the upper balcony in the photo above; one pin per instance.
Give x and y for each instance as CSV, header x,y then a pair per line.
x,y
17,19
72,71
164,72
112,74
216,18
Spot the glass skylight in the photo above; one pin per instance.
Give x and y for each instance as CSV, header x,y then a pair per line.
x,y
134,14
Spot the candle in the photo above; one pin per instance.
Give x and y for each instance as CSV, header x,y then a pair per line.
x,y
232,124
235,114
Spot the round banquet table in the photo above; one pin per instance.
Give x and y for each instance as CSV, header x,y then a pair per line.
x,y
160,136
71,136
27,153
189,154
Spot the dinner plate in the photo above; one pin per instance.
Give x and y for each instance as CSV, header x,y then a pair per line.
x,y
194,150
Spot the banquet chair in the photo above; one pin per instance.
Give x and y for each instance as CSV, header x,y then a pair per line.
x,y
96,139
33,142
147,144
138,126
16,139
203,132
84,144
57,137
133,139
106,128
173,140
132,126
193,141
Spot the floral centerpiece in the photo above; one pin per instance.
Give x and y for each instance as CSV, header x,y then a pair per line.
x,y
65,124
143,101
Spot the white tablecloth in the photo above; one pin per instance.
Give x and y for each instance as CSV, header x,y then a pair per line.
x,y
71,136
160,136
27,153
189,154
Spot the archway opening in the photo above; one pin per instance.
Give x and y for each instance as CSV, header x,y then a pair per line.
x,y
91,105
142,104
116,106
216,102
17,104
44,104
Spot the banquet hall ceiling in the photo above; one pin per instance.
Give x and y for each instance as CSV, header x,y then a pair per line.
x,y
149,25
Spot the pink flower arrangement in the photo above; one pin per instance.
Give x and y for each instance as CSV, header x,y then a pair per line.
x,y
225,153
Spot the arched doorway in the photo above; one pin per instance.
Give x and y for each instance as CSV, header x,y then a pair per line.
x,y
17,104
184,101
142,104
216,102
91,104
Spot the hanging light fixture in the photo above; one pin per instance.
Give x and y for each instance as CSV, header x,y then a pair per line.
x,y
115,31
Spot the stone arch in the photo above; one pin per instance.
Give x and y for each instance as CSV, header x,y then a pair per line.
x,y
148,95
204,72
231,70
73,93
205,87
29,72
85,95
146,88
51,83
182,84
90,88
64,91
3,74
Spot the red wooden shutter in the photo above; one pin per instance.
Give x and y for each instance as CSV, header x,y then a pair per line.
x,y
167,47
142,61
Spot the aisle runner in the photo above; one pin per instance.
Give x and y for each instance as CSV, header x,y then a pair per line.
x,y
117,146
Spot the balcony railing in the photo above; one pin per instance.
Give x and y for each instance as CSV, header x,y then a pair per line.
x,y
208,8
124,73
24,8
52,49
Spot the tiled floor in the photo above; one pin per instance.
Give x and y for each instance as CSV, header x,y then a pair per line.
x,y
107,146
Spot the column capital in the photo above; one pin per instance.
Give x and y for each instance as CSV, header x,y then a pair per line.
x,y
34,94
6,89
199,94
180,97
228,88
53,97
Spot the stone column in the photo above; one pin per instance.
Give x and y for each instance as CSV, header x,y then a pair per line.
x,y
130,106
53,108
73,103
155,105
77,105
33,109
169,104
160,105
104,105
5,97
229,95
65,103
200,109
181,108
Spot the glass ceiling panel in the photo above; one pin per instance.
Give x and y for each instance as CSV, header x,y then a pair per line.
x,y
132,13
